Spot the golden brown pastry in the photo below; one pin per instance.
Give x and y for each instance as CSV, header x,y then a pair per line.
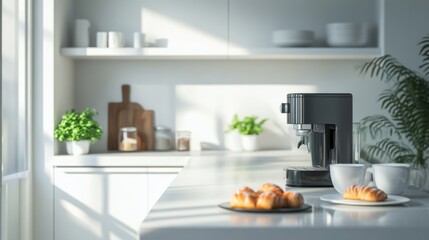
x,y
248,190
243,200
271,188
293,199
269,201
364,193
269,196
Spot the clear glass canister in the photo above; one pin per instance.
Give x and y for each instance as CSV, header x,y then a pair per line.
x,y
127,139
183,140
163,138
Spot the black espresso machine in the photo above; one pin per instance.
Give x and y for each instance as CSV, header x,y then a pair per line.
x,y
324,123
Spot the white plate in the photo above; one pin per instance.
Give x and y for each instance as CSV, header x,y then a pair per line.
x,y
391,200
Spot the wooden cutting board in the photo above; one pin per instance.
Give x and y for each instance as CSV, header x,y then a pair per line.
x,y
129,114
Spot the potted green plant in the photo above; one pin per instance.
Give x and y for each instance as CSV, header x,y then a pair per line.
x,y
79,130
404,136
248,128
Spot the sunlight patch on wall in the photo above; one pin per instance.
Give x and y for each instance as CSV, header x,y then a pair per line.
x,y
206,111
179,34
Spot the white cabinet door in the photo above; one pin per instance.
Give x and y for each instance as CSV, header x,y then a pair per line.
x,y
159,180
99,203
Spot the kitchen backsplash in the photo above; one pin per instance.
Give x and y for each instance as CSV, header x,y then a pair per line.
x,y
203,96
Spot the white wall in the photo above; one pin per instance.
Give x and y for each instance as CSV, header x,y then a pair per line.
x,y
154,81
202,96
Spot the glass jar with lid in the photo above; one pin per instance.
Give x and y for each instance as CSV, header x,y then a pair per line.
x,y
183,140
163,138
127,139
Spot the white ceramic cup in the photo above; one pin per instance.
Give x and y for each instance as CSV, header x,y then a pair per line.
x,y
101,39
139,40
346,175
115,39
392,178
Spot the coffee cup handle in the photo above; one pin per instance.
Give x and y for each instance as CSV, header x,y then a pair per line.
x,y
369,177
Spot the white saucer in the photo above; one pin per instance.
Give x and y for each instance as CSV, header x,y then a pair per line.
x,y
391,200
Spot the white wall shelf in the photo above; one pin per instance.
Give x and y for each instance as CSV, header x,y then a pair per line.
x,y
141,53
304,53
235,53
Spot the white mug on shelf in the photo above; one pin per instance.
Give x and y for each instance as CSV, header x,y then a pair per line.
x,y
101,39
115,40
81,34
139,40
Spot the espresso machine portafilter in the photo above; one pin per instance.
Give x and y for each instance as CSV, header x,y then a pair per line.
x,y
324,123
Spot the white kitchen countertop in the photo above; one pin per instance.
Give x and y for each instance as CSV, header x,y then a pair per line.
x,y
189,208
124,159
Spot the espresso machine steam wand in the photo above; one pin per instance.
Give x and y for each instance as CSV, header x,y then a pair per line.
x,y
324,123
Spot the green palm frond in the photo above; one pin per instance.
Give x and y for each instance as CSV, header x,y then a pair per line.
x,y
387,68
407,102
424,52
378,125
389,150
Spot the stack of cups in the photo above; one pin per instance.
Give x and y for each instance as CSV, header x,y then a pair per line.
x,y
116,40
101,39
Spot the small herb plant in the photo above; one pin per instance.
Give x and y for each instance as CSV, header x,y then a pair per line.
x,y
75,126
247,126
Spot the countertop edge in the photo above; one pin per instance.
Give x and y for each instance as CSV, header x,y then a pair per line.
x,y
154,159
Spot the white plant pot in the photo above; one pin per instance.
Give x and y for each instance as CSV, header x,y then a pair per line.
x,y
78,147
249,142
233,141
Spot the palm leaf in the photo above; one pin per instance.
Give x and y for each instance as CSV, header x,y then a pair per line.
x,y
407,102
378,125
424,52
388,150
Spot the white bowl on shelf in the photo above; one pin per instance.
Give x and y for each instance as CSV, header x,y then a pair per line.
x,y
347,34
293,38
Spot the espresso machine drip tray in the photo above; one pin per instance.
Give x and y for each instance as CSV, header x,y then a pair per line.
x,y
307,177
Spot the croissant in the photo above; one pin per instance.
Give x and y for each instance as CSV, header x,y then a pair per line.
x,y
294,200
248,190
269,196
244,200
269,200
365,193
271,188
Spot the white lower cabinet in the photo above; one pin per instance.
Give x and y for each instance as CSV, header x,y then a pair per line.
x,y
104,202
159,180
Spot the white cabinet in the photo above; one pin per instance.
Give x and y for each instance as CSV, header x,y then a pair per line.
x,y
227,28
159,179
105,202
193,28
99,203
252,22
